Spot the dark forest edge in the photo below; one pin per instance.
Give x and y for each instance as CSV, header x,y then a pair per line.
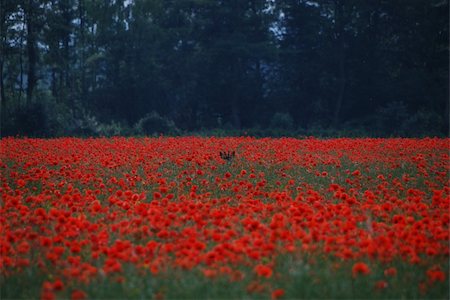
x,y
270,68
39,122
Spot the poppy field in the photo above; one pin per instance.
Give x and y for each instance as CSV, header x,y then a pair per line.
x,y
165,218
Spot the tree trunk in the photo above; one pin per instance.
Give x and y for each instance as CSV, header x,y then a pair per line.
x,y
2,57
235,112
31,50
54,85
82,50
235,97
2,87
342,81
21,52
65,77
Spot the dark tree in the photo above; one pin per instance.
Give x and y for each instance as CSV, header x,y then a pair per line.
x,y
378,67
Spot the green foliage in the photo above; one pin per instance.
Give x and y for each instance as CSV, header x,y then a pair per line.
x,y
50,119
282,121
390,118
426,122
154,124
88,125
32,120
307,277
345,63
38,119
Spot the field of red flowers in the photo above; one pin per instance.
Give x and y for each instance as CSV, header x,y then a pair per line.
x,y
170,218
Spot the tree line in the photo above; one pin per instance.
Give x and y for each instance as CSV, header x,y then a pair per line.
x,y
71,67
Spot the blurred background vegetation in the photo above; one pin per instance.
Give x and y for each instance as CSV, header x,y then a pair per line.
x,y
234,67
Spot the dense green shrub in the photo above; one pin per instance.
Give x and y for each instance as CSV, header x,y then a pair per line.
x,y
50,119
88,125
394,119
426,123
282,121
390,119
38,119
29,121
155,124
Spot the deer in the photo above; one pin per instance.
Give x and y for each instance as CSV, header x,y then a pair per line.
x,y
228,156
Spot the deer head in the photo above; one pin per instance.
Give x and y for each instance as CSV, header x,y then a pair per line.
x,y
228,156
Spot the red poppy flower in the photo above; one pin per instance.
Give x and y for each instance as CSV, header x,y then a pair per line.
x,y
277,294
263,271
78,295
360,268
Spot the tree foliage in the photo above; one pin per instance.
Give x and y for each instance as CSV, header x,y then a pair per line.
x,y
380,66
